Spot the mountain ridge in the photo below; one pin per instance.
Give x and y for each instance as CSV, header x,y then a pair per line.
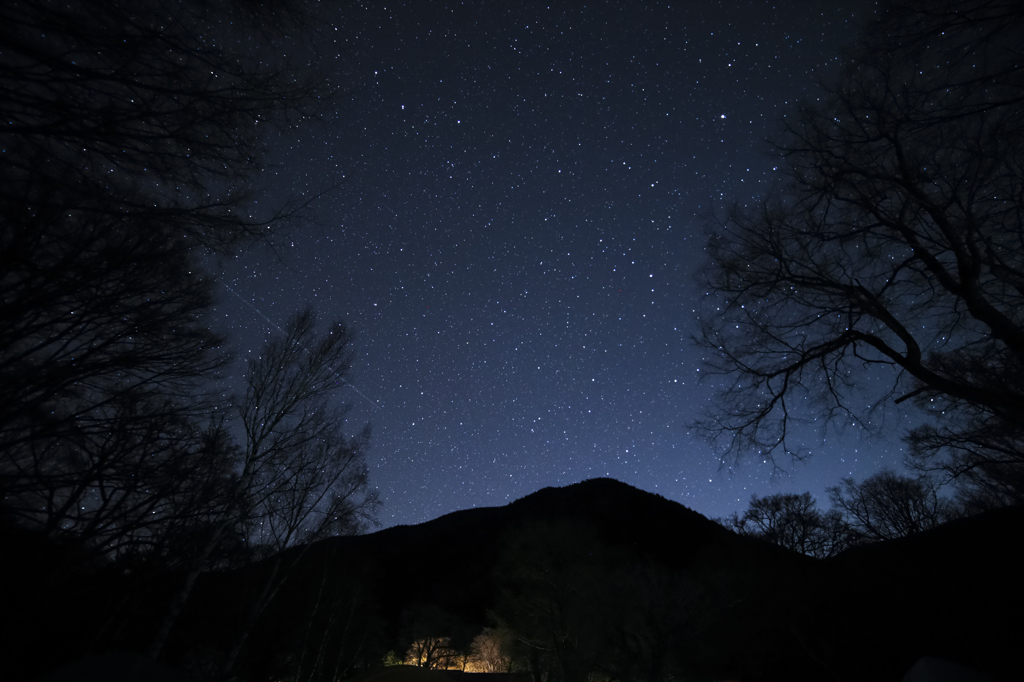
x,y
767,612
622,514
449,561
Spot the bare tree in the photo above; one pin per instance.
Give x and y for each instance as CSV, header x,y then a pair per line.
x,y
435,638
654,608
794,522
102,347
299,478
133,133
889,265
432,653
303,479
309,480
887,506
148,109
553,577
134,137
493,650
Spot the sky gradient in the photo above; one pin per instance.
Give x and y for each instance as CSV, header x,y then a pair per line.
x,y
520,220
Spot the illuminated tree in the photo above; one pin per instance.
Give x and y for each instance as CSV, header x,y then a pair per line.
x,y
436,639
432,653
493,650
889,264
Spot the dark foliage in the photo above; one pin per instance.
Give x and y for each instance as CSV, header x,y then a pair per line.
x,y
725,607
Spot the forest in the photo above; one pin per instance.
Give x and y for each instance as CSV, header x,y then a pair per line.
x,y
149,512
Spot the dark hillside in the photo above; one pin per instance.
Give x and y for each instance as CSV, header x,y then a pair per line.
x,y
951,592
725,606
450,561
943,593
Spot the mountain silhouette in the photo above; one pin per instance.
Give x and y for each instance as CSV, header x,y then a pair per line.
x,y
450,560
763,612
940,593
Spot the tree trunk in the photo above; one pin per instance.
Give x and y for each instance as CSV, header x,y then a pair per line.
x,y
173,611
181,597
254,612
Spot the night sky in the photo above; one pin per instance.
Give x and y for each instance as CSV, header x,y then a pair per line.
x,y
517,233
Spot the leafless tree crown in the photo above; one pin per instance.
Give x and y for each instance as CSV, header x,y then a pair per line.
x,y
889,265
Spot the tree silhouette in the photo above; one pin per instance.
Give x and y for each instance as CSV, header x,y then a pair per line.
x,y
887,506
133,133
554,578
101,349
133,140
151,110
298,478
794,522
653,609
435,639
891,255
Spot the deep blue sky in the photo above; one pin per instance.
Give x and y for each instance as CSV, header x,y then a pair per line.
x,y
517,234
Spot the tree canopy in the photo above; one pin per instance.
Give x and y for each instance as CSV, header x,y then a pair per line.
x,y
133,133
134,137
888,265
887,506
794,522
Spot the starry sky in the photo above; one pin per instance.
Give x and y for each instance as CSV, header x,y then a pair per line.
x,y
521,215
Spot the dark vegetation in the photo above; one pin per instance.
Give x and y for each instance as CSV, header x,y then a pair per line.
x,y
885,506
144,511
133,136
597,577
887,266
